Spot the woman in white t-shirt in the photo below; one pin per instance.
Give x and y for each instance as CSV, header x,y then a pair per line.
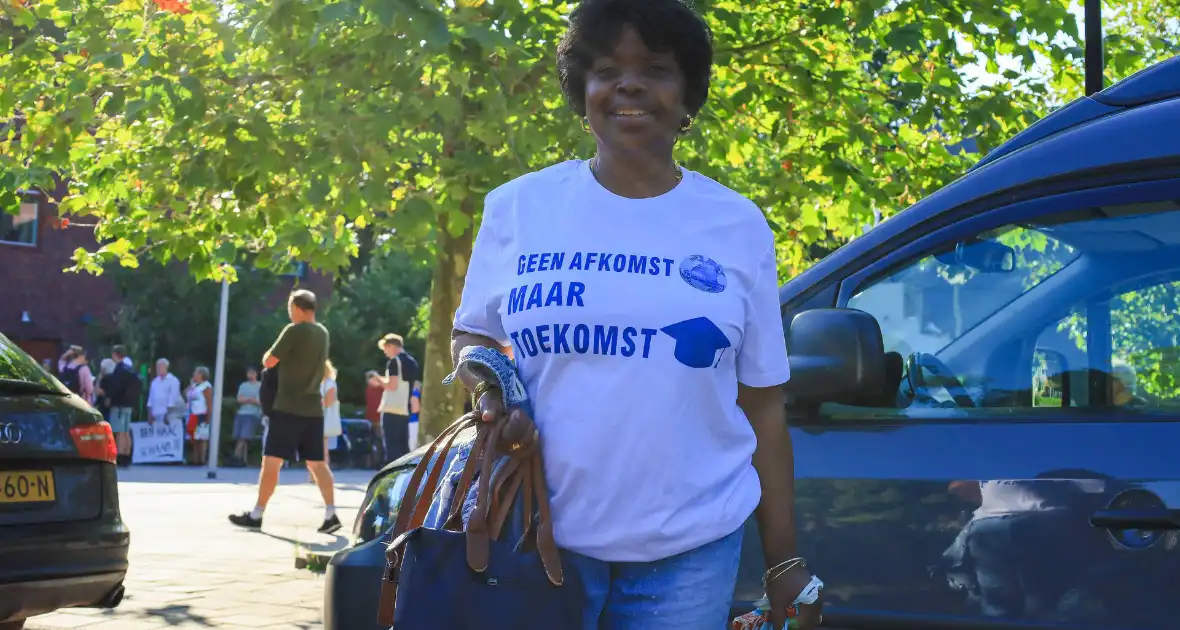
x,y
200,401
627,278
331,397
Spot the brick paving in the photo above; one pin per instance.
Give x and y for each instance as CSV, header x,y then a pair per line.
x,y
190,568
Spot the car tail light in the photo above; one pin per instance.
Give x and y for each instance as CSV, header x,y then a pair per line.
x,y
95,441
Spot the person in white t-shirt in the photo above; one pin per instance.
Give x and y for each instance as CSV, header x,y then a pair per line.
x,y
200,404
333,425
640,302
165,402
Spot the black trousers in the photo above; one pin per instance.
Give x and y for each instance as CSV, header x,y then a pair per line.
x,y
397,435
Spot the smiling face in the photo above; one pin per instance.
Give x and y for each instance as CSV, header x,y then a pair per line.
x,y
635,96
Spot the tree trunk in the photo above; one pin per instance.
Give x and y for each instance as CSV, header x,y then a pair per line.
x,y
441,404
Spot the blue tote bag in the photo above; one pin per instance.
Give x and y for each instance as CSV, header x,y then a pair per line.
x,y
476,577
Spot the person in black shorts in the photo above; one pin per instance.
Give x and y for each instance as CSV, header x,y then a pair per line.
x,y
296,421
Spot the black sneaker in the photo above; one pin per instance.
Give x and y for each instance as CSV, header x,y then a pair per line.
x,y
245,520
329,527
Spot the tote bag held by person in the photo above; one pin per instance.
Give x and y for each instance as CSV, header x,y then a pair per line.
x,y
478,579
397,401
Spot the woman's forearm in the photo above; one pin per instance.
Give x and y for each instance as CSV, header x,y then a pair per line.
x,y
775,462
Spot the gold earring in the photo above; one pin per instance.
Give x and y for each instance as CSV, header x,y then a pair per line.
x,y
686,124
585,124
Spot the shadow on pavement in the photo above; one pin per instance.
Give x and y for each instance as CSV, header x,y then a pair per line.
x,y
171,614
339,542
175,615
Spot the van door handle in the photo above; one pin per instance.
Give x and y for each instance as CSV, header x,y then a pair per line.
x,y
1143,518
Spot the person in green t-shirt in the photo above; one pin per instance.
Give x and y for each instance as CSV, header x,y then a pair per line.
x,y
295,425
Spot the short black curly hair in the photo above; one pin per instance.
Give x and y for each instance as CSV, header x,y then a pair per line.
x,y
665,26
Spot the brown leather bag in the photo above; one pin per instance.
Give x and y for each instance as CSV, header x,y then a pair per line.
x,y
494,502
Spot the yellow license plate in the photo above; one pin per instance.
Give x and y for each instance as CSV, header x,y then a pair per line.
x,y
26,486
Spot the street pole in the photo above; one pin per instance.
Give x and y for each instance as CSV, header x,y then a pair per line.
x,y
1094,61
218,382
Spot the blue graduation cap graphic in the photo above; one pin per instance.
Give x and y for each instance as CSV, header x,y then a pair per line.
x,y
697,341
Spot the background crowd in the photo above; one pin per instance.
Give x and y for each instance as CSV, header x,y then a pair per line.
x,y
124,392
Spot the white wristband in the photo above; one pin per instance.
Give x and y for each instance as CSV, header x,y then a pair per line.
x,y
810,593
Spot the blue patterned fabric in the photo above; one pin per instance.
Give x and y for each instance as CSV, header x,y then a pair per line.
x,y
515,397
505,370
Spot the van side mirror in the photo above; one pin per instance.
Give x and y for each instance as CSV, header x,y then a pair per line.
x,y
837,355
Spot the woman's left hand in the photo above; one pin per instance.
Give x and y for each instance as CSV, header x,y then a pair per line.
x,y
519,434
782,592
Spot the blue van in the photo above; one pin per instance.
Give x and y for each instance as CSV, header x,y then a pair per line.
x,y
985,394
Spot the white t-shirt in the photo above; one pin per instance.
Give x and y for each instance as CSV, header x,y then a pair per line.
x,y
196,398
164,395
632,322
333,425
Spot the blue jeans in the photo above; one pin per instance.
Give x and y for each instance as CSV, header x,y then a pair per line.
x,y
689,591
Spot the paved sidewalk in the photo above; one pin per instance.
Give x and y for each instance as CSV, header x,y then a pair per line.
x,y
190,568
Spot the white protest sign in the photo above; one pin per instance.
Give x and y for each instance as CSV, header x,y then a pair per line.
x,y
158,442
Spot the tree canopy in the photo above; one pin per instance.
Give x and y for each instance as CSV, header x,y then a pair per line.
x,y
286,129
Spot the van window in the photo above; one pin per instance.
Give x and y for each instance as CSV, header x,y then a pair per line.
x,y
928,304
1079,310
1146,346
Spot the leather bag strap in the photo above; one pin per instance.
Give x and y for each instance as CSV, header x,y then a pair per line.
x,y
546,545
409,518
503,498
478,550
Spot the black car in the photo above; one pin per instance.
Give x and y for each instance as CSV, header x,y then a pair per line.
x,y
984,397
62,540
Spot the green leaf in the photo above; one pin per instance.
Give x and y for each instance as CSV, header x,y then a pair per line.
x,y
112,60
23,17
905,37
134,108
896,159
319,189
337,12
832,16
457,223
734,156
384,10
865,14
910,74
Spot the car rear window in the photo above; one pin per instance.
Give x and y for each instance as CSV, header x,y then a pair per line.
x,y
18,366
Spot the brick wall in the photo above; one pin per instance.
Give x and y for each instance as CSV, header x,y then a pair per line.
x,y
60,305
63,307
